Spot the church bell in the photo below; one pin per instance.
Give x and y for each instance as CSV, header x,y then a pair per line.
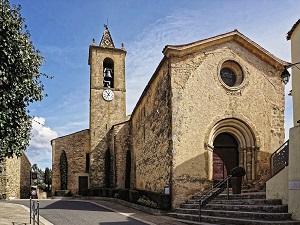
x,y
107,73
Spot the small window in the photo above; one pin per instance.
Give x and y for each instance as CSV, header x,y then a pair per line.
x,y
231,74
87,162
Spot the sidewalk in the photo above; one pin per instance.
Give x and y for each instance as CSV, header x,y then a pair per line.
x,y
14,214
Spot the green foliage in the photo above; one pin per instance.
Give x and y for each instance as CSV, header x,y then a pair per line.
x,y
63,193
40,174
107,168
42,186
238,171
134,196
20,82
124,194
48,176
63,165
147,202
128,169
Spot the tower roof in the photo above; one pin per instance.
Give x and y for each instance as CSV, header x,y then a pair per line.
x,y
106,40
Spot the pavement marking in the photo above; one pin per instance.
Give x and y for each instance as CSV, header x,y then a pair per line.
x,y
42,219
124,214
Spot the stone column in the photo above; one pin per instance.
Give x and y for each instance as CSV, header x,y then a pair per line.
x,y
241,156
249,163
294,173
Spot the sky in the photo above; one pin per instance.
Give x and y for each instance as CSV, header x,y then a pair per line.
x,y
63,31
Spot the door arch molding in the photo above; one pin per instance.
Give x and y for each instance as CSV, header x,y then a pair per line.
x,y
247,143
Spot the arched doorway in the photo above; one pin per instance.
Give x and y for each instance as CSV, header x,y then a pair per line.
x,y
238,133
225,155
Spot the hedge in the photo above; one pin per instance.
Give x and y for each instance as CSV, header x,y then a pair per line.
x,y
63,193
162,201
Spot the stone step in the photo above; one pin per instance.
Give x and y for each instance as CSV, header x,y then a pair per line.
x,y
250,195
236,207
237,214
242,202
229,220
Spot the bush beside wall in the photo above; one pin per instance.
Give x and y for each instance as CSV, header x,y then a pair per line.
x,y
162,201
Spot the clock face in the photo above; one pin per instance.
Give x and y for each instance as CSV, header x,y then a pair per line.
x,y
108,95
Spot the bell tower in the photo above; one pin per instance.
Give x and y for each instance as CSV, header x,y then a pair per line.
x,y
107,100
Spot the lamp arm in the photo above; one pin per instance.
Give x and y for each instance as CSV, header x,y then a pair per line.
x,y
292,64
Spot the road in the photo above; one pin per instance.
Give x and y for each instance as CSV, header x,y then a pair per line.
x,y
62,212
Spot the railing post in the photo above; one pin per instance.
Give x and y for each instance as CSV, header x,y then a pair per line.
x,y
227,184
38,212
30,210
33,205
200,203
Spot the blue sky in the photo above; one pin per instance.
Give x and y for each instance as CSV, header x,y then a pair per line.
x,y
63,31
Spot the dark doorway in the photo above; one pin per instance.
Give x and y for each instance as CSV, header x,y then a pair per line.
x,y
225,156
83,184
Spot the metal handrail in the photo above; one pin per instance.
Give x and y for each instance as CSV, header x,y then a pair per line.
x,y
279,159
213,193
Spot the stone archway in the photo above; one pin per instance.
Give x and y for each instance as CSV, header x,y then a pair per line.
x,y
246,141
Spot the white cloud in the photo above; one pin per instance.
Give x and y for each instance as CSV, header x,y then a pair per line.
x,y
40,151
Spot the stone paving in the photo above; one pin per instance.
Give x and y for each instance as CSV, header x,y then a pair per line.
x,y
15,214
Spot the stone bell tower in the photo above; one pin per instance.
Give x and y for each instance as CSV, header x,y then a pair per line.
x,y
107,100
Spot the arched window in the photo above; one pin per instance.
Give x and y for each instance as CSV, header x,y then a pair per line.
x,y
87,162
108,73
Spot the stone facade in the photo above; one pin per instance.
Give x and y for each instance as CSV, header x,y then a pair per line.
x,y
76,147
15,177
199,93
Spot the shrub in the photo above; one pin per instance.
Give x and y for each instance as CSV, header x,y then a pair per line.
x,y
42,186
124,194
147,202
63,193
134,196
238,171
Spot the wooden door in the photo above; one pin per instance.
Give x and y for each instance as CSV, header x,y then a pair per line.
x,y
83,184
225,156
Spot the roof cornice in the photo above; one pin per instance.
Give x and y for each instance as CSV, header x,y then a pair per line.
x,y
251,46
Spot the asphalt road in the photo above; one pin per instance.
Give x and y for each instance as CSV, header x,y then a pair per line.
x,y
80,213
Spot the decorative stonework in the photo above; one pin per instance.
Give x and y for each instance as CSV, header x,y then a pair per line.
x,y
106,40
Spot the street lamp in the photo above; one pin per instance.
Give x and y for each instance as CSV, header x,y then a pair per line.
x,y
285,75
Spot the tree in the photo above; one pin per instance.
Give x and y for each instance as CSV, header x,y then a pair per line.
x,y
63,166
20,82
48,176
40,174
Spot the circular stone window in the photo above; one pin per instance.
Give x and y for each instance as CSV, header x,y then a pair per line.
x,y
231,74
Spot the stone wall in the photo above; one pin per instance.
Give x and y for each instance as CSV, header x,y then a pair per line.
x,y
151,132
3,179
119,145
25,177
17,174
200,100
76,146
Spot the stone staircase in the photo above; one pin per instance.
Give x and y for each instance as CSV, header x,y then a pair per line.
x,y
246,208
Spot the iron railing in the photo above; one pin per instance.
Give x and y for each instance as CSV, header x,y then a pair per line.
x,y
34,211
279,159
213,193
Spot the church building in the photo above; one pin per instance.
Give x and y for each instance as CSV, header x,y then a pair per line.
x,y
209,106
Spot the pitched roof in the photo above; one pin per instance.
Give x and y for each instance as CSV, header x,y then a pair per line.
x,y
234,35
106,40
289,34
